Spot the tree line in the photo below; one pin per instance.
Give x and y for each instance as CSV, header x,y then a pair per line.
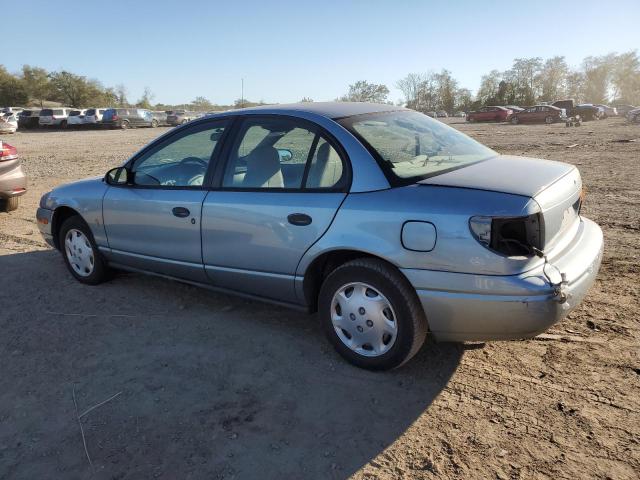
x,y
612,78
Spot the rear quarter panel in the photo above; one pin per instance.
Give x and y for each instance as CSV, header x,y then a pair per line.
x,y
372,223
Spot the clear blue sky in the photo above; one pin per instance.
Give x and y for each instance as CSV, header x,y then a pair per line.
x,y
289,49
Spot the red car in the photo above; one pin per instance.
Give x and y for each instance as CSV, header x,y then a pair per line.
x,y
488,114
538,114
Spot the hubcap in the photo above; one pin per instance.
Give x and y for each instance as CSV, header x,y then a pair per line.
x,y
79,252
364,319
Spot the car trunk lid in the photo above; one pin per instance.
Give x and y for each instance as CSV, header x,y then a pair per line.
x,y
556,187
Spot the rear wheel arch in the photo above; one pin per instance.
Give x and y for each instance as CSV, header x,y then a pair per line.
x,y
320,268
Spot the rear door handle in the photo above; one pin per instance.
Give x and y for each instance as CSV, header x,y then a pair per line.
x,y
299,219
181,212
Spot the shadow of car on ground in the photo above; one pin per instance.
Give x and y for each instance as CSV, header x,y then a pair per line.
x,y
212,385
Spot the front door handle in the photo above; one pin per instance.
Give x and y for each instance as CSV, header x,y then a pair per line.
x,y
181,212
299,219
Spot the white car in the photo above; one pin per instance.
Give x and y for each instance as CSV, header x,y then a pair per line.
x,y
54,117
8,123
93,116
75,118
15,110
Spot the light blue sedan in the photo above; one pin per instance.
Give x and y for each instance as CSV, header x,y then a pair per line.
x,y
388,223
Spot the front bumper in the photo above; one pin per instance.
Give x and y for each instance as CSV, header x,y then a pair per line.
x,y
468,307
44,218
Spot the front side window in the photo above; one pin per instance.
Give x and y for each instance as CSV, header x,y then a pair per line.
x,y
281,153
411,146
180,161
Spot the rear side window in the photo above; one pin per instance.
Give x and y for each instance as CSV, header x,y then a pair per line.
x,y
122,111
282,153
58,112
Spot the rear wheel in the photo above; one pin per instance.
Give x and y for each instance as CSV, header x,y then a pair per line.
x,y
371,314
548,120
154,123
125,124
80,252
9,204
515,120
63,124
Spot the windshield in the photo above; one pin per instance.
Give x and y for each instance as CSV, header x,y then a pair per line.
x,y
412,146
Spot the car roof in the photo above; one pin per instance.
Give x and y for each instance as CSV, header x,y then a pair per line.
x,y
331,110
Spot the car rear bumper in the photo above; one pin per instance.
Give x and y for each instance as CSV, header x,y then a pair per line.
x,y
44,217
13,183
468,307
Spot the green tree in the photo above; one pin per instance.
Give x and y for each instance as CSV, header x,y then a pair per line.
x,y
12,89
363,91
201,104
36,82
553,78
145,100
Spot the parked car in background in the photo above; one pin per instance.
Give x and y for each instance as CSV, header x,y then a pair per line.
x,y
624,109
13,181
514,108
93,116
160,119
538,114
387,222
442,114
180,117
431,114
76,118
28,118
8,123
608,111
15,110
634,115
54,117
460,114
567,105
489,114
587,112
127,118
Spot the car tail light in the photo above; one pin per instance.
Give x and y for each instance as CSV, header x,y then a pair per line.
x,y
7,152
511,236
115,117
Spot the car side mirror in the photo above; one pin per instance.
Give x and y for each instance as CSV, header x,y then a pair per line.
x,y
118,176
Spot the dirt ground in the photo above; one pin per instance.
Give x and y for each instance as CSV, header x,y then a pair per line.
x,y
212,386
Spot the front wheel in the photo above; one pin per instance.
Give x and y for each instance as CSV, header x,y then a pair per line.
x,y
371,314
154,123
125,124
80,252
514,121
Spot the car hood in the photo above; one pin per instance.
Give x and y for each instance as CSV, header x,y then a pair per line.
x,y
505,173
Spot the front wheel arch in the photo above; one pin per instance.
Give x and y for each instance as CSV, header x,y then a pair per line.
x,y
60,214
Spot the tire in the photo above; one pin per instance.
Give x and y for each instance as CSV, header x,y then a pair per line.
x,y
515,120
154,123
567,124
63,124
398,323
80,253
9,204
124,125
577,124
548,120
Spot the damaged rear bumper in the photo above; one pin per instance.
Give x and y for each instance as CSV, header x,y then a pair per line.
x,y
469,307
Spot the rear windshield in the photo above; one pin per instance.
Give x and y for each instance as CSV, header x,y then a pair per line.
x,y
91,111
46,112
58,112
74,113
411,146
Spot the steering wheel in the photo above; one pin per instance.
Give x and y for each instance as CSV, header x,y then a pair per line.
x,y
197,160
